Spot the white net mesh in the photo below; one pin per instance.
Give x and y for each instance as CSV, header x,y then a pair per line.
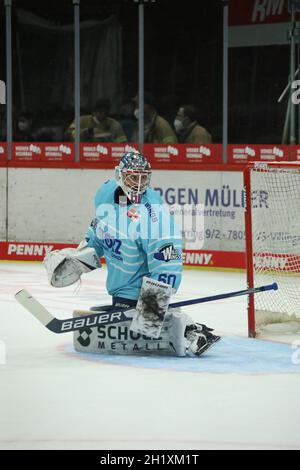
x,y
276,243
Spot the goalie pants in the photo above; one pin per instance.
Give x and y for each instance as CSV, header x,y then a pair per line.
x,y
119,302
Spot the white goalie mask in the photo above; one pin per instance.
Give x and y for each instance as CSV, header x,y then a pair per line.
x,y
133,175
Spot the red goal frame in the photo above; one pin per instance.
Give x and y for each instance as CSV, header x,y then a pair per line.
x,y
248,231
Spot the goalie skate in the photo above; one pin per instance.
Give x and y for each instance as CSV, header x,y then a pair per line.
x,y
199,338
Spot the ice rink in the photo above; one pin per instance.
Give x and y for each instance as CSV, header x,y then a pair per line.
x,y
243,393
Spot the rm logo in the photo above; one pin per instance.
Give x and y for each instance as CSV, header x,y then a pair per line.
x,y
265,8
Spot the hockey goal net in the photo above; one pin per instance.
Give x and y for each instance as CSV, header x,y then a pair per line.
x,y
272,218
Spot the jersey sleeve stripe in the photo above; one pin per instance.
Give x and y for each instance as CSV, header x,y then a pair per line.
x,y
121,269
162,238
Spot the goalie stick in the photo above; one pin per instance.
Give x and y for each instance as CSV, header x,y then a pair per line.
x,y
114,315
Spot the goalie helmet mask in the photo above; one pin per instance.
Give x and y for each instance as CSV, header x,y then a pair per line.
x,y
133,175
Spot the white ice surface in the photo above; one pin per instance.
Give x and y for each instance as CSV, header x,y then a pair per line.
x,y
53,398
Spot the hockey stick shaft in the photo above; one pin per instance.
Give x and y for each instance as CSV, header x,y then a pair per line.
x,y
113,316
253,290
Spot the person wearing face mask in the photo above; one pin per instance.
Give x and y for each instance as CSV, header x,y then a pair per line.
x,y
23,128
156,128
98,126
187,127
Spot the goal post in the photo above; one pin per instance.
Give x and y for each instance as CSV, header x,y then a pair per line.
x,y
272,225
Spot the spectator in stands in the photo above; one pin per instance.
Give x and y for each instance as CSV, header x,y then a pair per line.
x,y
98,126
187,126
156,128
24,127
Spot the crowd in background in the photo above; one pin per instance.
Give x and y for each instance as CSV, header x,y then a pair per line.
x,y
166,122
183,55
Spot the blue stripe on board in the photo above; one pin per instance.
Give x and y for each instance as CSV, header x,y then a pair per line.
x,y
228,356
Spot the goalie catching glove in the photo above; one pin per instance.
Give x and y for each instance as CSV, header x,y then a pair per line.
x,y
64,267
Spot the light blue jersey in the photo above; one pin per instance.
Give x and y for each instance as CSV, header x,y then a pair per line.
x,y
136,241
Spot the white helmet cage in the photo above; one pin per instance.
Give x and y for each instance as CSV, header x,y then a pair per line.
x,y
133,175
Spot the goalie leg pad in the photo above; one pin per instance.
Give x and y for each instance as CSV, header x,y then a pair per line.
x,y
199,339
118,339
180,336
189,338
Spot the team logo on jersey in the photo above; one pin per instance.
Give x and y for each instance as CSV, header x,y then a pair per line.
x,y
133,214
167,253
